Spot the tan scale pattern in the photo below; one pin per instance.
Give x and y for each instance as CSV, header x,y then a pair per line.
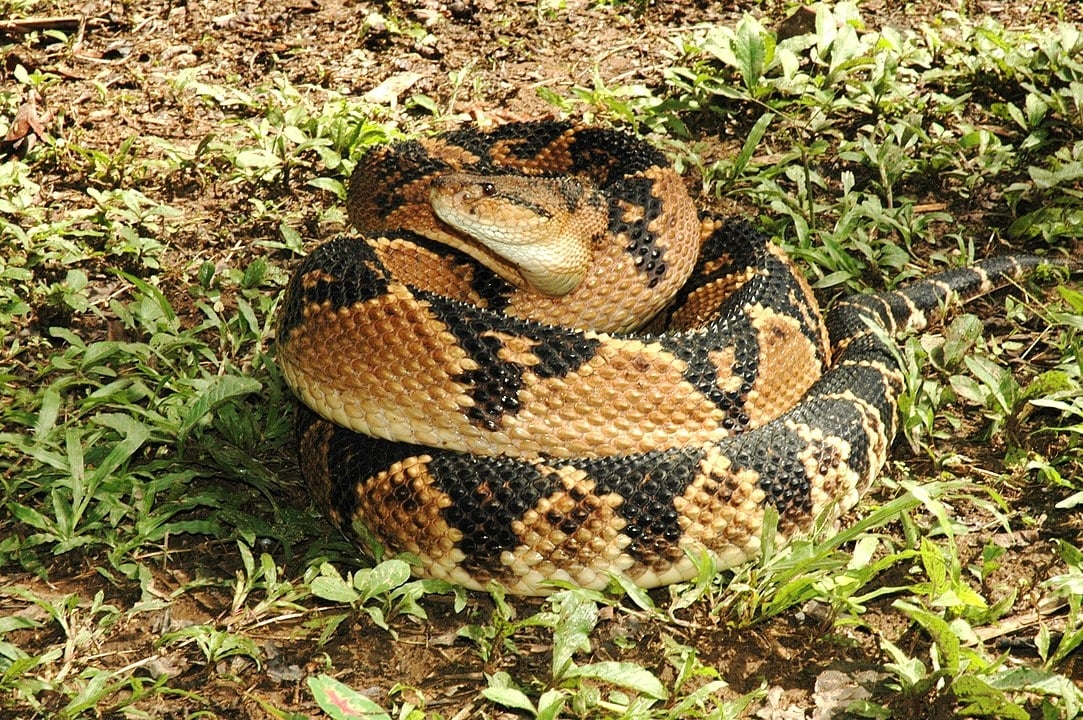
x,y
554,158
416,525
393,390
631,397
702,305
415,265
582,555
826,459
783,347
613,297
805,301
723,508
312,453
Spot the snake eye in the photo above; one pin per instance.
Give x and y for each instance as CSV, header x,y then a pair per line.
x,y
488,189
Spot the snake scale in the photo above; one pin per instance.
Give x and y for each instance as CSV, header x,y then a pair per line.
x,y
613,385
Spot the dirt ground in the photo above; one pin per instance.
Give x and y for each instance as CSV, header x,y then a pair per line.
x,y
482,58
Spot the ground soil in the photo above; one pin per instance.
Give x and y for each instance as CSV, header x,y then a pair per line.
x,y
479,58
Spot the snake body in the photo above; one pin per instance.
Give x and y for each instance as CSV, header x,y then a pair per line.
x,y
502,422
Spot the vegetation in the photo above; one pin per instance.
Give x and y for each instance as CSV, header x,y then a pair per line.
x,y
156,545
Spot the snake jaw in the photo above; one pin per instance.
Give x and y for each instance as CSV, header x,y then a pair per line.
x,y
527,222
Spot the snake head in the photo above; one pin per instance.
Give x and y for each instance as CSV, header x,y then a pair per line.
x,y
545,227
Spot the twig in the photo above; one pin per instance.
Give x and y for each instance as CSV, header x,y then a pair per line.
x,y
32,24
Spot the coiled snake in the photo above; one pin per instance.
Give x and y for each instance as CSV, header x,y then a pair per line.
x,y
482,396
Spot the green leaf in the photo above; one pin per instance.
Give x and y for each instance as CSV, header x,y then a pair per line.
x,y
220,390
753,140
624,674
550,704
376,614
750,48
1042,641
1041,681
910,671
577,616
381,579
331,185
968,389
1065,174
134,434
30,516
940,631
342,702
981,699
256,159
503,691
994,377
635,593
15,622
509,697
329,585
294,134
424,102
254,273
1074,298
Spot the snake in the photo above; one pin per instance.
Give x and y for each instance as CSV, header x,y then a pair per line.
x,y
534,361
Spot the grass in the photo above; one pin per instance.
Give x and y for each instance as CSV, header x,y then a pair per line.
x,y
145,443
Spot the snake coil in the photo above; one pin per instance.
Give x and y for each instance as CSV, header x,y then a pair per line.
x,y
501,423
